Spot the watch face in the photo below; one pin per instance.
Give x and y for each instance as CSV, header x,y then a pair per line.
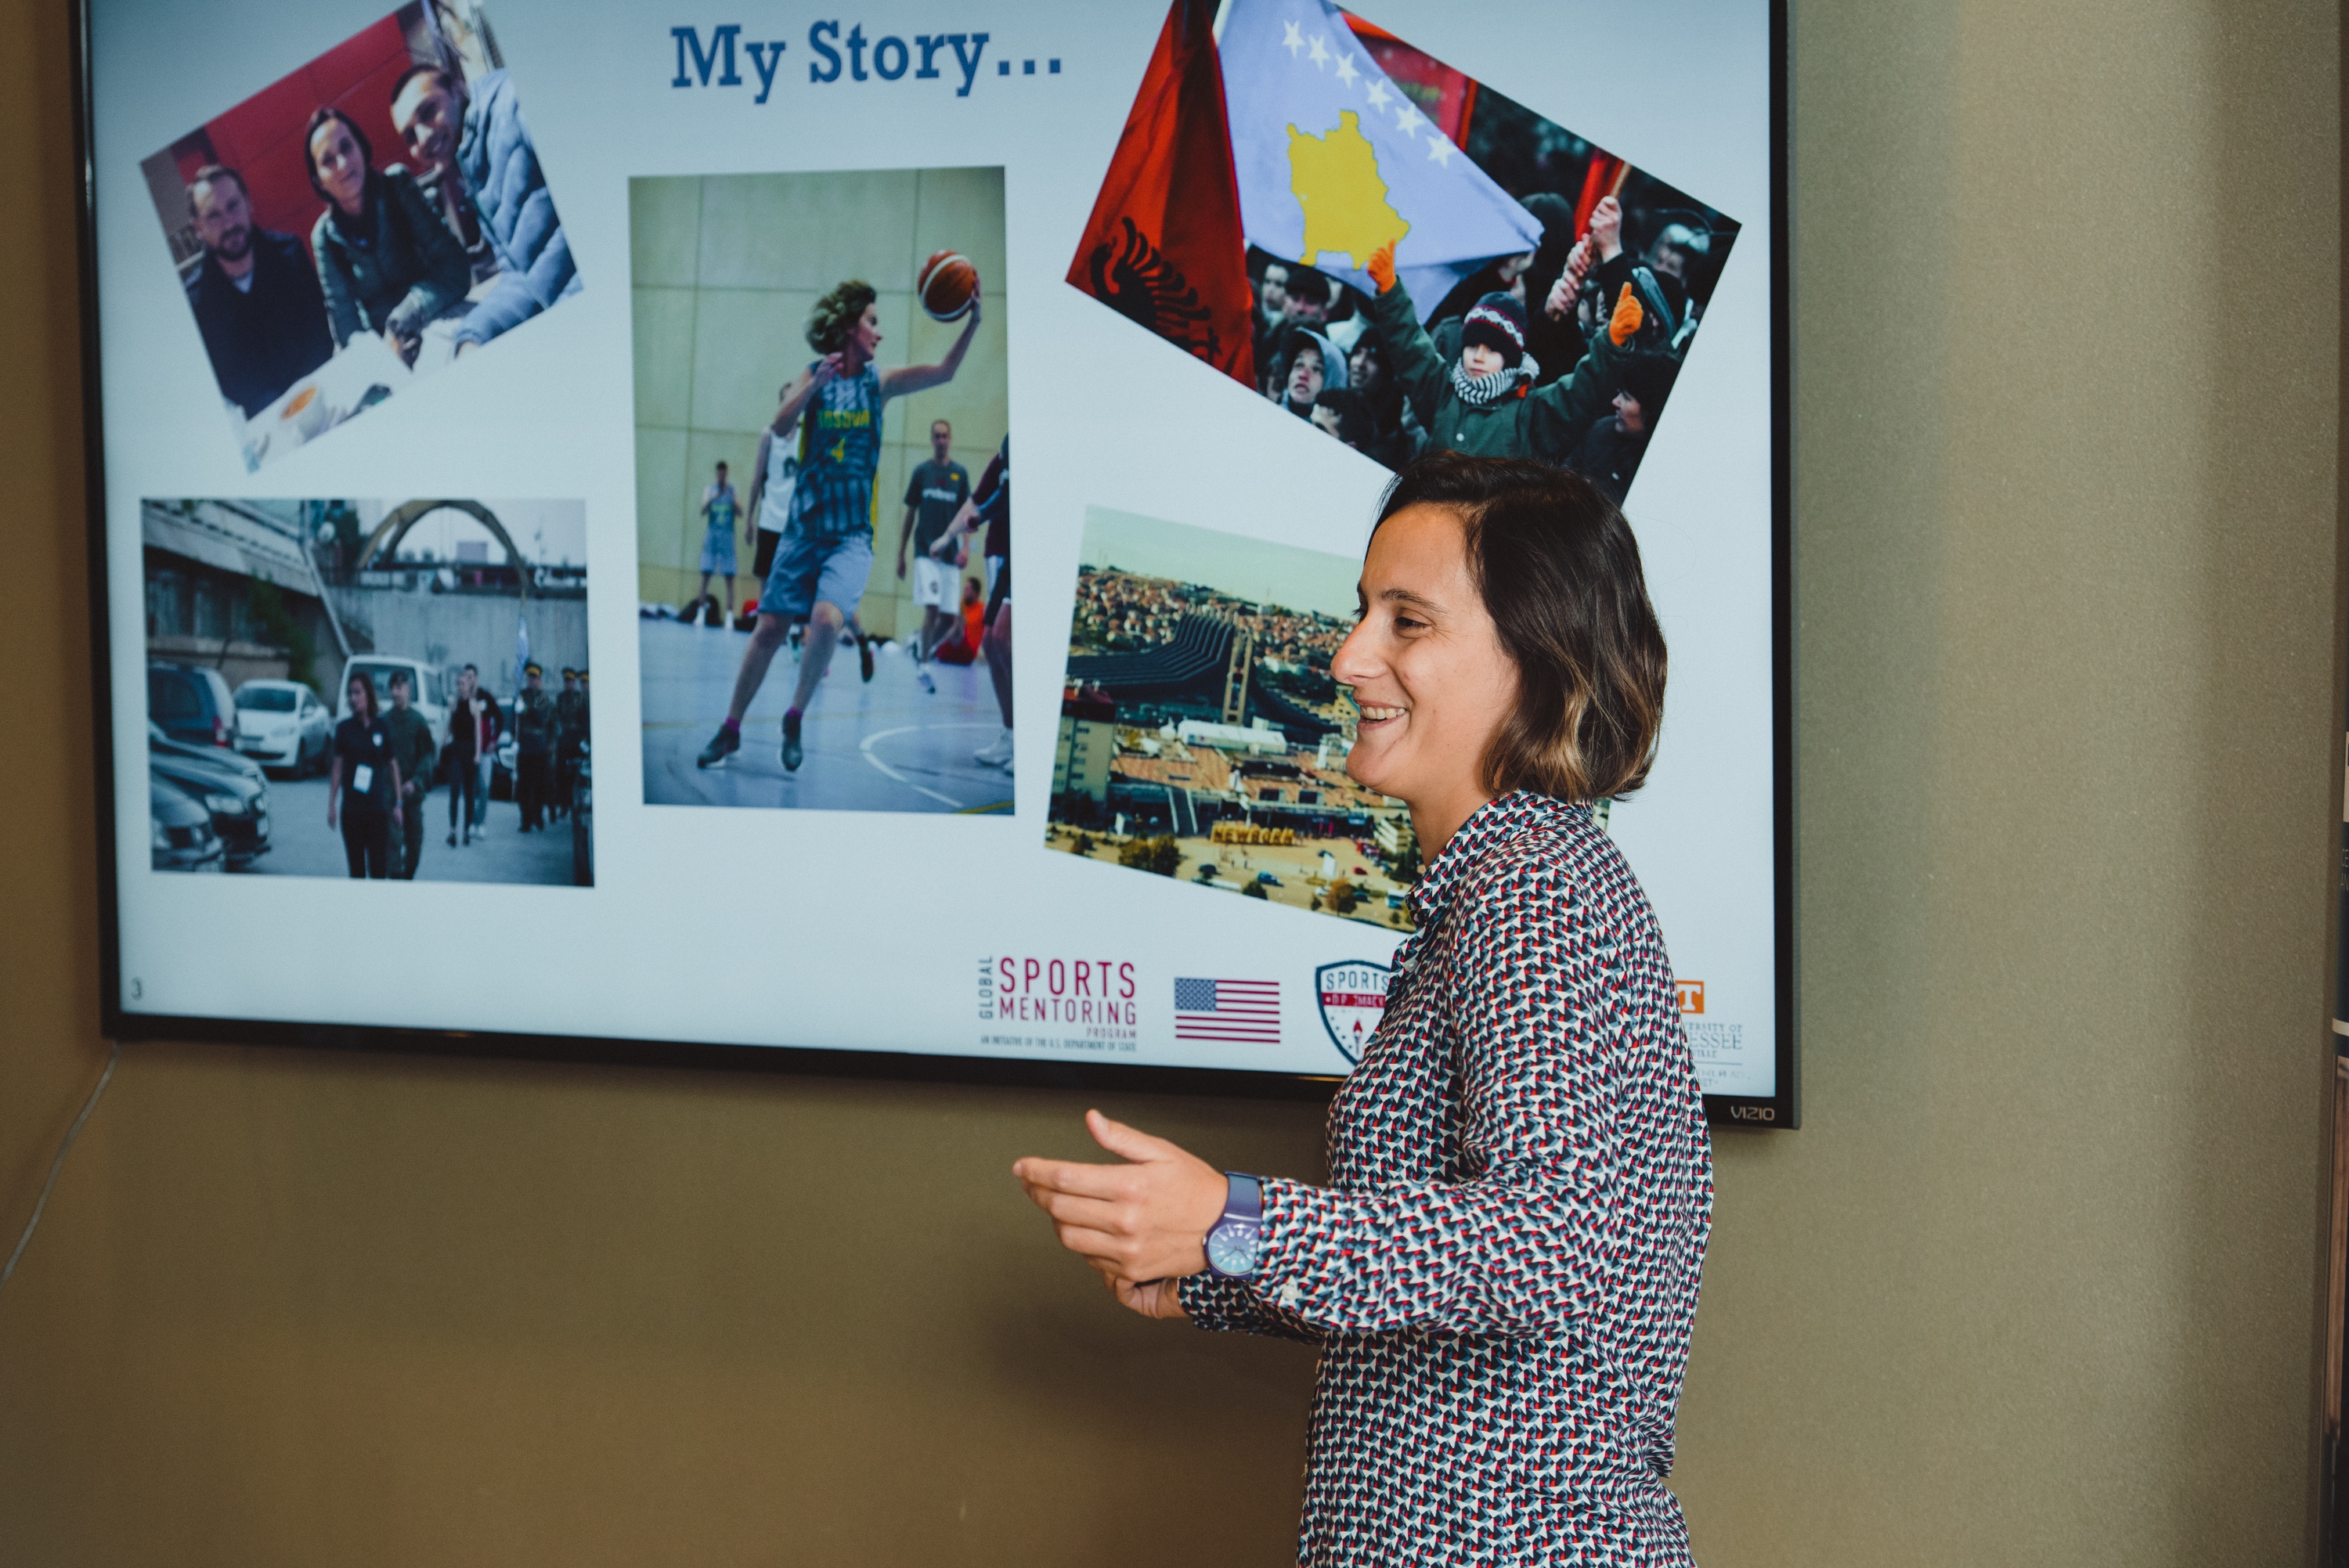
x,y
1232,1247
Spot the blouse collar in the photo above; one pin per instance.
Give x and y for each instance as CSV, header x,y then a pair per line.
x,y
1492,824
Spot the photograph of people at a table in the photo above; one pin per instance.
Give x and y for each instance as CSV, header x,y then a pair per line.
x,y
362,222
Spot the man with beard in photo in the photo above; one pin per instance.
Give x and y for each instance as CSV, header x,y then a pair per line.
x,y
257,300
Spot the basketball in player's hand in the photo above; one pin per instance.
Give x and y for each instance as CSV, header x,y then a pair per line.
x,y
947,284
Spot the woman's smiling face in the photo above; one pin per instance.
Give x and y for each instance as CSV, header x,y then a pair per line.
x,y
1428,671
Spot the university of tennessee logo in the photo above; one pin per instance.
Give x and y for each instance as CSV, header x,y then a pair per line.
x,y
1353,998
1691,995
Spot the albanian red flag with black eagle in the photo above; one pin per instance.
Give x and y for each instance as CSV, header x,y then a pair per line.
x,y
1165,247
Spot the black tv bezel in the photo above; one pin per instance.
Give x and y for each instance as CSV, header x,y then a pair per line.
x,y
1781,1109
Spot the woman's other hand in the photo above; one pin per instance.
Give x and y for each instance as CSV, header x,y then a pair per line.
x,y
1154,1298
1142,1224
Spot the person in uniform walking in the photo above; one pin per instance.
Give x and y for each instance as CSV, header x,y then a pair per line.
x,y
570,735
412,748
364,781
534,725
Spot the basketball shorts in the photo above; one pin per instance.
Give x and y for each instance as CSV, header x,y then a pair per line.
x,y
718,552
937,585
809,571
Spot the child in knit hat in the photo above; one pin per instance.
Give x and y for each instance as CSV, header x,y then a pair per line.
x,y
1485,403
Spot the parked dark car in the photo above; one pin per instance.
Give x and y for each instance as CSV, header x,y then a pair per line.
x,y
180,828
213,756
228,788
191,703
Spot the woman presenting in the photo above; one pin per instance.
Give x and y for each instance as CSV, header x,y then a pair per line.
x,y
1503,1271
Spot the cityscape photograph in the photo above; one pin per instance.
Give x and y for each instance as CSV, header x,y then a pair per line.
x,y
1201,737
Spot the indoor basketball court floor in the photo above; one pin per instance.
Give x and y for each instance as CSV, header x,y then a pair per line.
x,y
886,746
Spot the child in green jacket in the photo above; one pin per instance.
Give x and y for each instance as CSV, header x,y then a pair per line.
x,y
1485,404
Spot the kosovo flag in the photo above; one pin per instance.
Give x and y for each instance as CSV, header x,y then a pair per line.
x,y
1163,246
1334,160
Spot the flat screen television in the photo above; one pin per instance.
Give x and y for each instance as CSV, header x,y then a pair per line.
x,y
592,524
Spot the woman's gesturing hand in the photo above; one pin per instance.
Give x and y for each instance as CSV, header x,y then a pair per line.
x,y
1142,1224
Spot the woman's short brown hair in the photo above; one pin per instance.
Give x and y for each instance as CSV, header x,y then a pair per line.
x,y
1559,572
836,316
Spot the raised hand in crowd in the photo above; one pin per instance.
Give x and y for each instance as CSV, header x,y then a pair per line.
x,y
1562,293
1606,228
1381,267
1625,322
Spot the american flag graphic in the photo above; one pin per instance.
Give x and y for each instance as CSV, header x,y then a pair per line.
x,y
1244,1010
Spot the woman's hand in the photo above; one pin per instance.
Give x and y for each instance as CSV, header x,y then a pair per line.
x,y
1142,1224
1158,1298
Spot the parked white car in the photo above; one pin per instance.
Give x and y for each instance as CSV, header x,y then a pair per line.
x,y
281,724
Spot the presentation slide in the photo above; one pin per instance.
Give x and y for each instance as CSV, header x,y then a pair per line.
x,y
558,458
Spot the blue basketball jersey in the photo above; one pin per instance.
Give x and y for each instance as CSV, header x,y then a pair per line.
x,y
839,449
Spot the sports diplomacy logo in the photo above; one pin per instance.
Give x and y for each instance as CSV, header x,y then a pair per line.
x,y
1353,998
1075,1004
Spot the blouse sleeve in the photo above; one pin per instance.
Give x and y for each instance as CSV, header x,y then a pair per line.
x,y
1528,1238
1229,1306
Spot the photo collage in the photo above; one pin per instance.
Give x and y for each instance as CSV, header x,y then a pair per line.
x,y
816,352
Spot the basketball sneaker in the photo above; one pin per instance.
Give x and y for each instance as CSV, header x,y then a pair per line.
x,y
794,753
722,745
996,753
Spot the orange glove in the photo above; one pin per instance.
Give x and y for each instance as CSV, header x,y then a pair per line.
x,y
1627,318
1381,267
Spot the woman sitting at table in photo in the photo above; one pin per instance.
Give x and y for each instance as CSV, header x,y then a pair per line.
x,y
1502,1270
386,263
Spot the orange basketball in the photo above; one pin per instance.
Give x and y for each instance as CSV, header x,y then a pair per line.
x,y
947,284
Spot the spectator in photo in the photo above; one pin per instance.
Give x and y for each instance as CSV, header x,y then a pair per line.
x,y
718,510
1309,362
534,725
775,474
386,261
473,139
1484,402
1371,376
412,749
1342,413
934,493
257,301
1272,296
990,504
1610,454
474,726
364,781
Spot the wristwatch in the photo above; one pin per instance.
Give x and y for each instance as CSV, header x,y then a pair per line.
x,y
1236,1239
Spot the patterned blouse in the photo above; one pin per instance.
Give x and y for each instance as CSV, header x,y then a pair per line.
x,y
1503,1271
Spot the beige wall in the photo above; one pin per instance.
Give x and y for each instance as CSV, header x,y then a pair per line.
x,y
2036,1283
725,269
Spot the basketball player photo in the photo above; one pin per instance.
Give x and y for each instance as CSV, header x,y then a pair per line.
x,y
820,395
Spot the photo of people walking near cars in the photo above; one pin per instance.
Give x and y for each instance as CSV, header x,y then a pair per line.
x,y
359,223
1391,253
824,491
1201,737
347,688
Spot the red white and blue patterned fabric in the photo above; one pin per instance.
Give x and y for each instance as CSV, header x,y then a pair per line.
x,y
1503,1271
